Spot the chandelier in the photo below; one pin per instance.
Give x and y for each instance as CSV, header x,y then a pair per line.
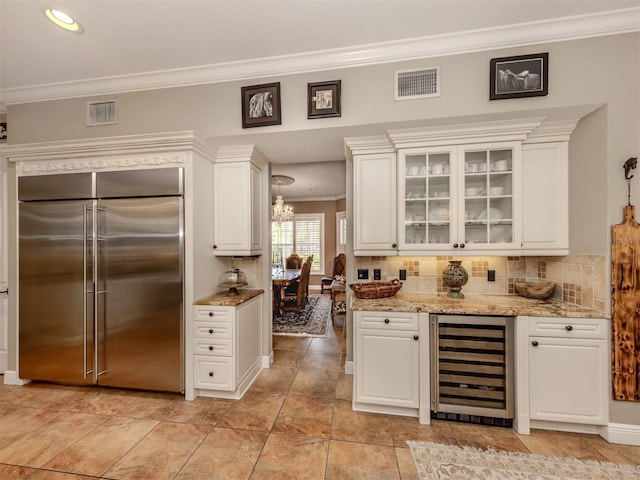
x,y
280,212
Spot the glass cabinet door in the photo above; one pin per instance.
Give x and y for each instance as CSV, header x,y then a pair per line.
x,y
426,186
488,197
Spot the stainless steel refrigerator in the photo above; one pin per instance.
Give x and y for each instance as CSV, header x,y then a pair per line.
x,y
101,278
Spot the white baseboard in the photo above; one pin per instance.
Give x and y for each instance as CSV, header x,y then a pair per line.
x,y
621,433
11,378
267,360
348,367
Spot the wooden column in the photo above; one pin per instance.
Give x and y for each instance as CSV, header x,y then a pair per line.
x,y
625,307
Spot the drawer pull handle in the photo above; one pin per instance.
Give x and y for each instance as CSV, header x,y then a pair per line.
x,y
211,347
211,330
535,343
569,328
211,374
416,337
386,320
211,314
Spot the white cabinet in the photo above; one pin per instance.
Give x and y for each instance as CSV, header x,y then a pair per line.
x,y
484,188
375,200
225,349
239,196
387,362
568,370
545,198
459,198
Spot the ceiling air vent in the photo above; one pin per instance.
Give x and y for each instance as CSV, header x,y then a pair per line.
x,y
421,83
101,113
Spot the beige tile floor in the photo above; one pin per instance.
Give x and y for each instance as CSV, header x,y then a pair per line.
x,y
295,422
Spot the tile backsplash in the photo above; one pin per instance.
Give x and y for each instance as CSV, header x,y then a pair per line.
x,y
579,279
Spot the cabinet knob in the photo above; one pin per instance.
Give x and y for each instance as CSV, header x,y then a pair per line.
x,y
211,347
416,337
211,314
569,328
211,330
462,245
534,343
455,245
211,374
386,320
215,246
394,245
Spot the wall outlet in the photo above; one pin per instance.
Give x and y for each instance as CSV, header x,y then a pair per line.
x,y
363,274
491,275
377,275
403,274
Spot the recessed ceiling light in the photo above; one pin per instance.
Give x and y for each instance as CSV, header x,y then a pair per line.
x,y
62,20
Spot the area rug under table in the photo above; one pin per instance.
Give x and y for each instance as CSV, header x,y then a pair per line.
x,y
447,462
310,322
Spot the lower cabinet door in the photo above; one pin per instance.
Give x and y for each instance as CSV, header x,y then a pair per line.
x,y
387,368
569,380
213,373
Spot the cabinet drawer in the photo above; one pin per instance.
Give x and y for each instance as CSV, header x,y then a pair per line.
x,y
214,346
215,314
212,330
387,320
568,327
213,373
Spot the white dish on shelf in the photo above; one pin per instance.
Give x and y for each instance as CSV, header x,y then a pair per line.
x,y
500,166
494,214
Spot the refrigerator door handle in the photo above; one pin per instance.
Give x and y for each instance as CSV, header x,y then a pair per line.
x,y
84,289
100,289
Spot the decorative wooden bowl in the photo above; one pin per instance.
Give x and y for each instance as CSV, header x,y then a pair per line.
x,y
539,290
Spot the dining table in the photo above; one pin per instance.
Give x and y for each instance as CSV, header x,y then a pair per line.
x,y
281,279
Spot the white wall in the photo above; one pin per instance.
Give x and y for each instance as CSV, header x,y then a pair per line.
x,y
602,72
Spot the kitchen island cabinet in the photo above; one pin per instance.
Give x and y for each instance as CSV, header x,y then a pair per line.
x,y
224,357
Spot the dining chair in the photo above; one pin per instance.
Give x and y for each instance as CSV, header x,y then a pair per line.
x,y
293,262
296,302
339,268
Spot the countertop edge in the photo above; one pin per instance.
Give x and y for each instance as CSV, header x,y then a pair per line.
x,y
220,299
474,304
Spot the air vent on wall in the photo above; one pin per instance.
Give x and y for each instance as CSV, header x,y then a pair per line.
x,y
421,83
101,113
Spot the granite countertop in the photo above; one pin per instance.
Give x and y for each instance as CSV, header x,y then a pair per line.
x,y
220,299
474,304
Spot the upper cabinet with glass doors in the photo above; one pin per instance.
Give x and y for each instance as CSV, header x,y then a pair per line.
x,y
428,203
458,197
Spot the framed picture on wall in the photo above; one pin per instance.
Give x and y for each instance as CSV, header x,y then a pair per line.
x,y
261,105
521,76
323,99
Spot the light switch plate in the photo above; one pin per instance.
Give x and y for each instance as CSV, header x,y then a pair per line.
x,y
363,274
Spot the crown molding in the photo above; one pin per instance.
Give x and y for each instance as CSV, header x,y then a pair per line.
x,y
97,149
562,29
241,153
495,131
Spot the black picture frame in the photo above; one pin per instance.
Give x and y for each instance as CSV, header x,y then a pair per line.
x,y
519,76
261,105
323,99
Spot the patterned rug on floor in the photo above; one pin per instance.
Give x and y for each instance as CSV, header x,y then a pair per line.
x,y
311,322
447,462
